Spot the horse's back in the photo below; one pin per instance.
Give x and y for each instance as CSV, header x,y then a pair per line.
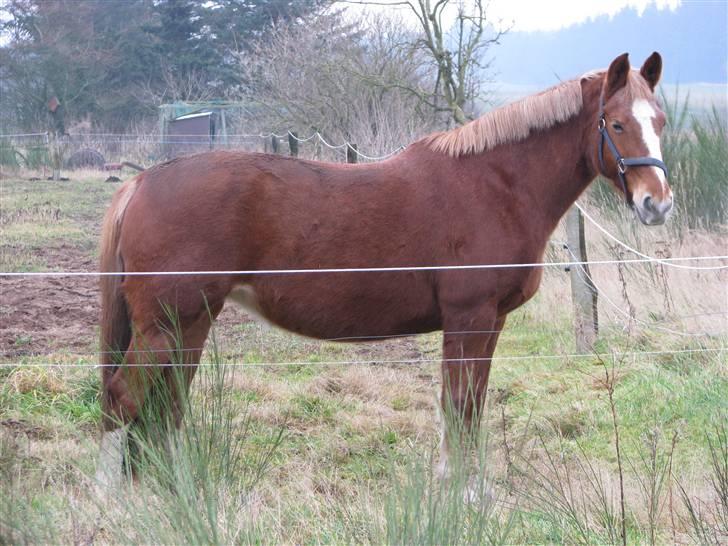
x,y
233,211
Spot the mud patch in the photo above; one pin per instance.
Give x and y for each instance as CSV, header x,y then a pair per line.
x,y
43,314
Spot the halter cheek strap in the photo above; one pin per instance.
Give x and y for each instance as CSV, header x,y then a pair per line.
x,y
623,163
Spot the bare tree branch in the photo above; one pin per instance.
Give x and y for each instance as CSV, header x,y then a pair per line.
x,y
460,73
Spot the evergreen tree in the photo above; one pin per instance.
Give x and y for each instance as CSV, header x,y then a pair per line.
x,y
114,61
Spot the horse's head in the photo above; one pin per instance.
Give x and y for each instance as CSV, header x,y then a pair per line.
x,y
630,124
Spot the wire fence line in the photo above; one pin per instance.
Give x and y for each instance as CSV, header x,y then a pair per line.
x,y
359,338
410,361
662,261
396,269
24,135
312,340
643,258
581,270
174,144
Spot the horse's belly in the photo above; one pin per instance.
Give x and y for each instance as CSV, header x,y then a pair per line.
x,y
310,310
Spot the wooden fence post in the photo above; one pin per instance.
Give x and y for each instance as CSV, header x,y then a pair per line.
x,y
57,153
293,143
275,144
583,291
351,153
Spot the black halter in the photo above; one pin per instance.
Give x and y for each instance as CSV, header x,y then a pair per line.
x,y
622,162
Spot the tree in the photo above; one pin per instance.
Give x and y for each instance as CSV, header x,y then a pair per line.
x,y
65,49
324,74
457,53
113,62
52,57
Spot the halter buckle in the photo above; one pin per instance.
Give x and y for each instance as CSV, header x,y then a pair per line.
x,y
602,123
621,167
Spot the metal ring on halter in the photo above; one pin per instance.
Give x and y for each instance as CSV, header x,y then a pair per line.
x,y
621,167
602,124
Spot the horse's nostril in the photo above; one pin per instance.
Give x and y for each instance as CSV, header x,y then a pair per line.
x,y
647,204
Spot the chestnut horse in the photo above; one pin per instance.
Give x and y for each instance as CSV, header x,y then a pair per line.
x,y
490,192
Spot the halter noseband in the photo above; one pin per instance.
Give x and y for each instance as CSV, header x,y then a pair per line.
x,y
622,162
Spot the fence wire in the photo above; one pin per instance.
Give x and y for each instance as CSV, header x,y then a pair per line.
x,y
96,149
377,362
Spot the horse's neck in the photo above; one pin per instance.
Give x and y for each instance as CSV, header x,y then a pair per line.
x,y
563,170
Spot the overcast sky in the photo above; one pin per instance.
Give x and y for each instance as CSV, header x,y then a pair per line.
x,y
532,15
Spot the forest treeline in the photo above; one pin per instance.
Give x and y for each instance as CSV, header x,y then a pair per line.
x,y
304,64
113,61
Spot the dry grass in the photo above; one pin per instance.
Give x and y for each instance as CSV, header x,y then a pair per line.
x,y
663,298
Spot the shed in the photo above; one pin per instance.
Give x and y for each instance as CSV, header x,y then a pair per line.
x,y
195,126
190,133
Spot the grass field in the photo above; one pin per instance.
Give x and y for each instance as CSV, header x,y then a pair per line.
x,y
314,452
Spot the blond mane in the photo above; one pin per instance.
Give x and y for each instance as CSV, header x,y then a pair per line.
x,y
513,122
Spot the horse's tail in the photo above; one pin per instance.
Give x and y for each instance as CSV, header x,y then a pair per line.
x,y
115,326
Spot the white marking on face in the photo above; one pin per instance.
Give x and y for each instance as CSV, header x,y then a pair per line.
x,y
644,112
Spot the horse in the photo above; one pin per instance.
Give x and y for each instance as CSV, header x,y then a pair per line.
x,y
489,192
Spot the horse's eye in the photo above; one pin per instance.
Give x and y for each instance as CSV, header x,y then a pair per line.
x,y
617,127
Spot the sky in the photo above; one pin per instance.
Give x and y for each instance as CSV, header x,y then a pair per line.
x,y
551,40
530,15
544,15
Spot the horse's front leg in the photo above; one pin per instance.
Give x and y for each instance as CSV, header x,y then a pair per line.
x,y
468,347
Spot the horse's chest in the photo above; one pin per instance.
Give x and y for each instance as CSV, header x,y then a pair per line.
x,y
523,289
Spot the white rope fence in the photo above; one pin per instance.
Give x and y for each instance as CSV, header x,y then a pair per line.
x,y
602,293
202,139
663,261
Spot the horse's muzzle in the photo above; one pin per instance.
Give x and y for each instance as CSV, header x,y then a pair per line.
x,y
652,212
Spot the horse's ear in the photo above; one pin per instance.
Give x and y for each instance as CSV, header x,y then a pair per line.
x,y
652,70
617,75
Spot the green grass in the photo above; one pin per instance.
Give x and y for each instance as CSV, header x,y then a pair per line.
x,y
47,216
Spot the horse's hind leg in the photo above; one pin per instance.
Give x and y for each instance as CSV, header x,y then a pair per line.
x,y
149,388
124,393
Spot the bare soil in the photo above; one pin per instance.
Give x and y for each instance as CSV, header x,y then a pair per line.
x,y
40,314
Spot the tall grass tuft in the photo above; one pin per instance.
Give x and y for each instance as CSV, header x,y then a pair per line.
x,y
196,484
652,473
571,494
696,153
20,523
708,521
709,198
465,507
